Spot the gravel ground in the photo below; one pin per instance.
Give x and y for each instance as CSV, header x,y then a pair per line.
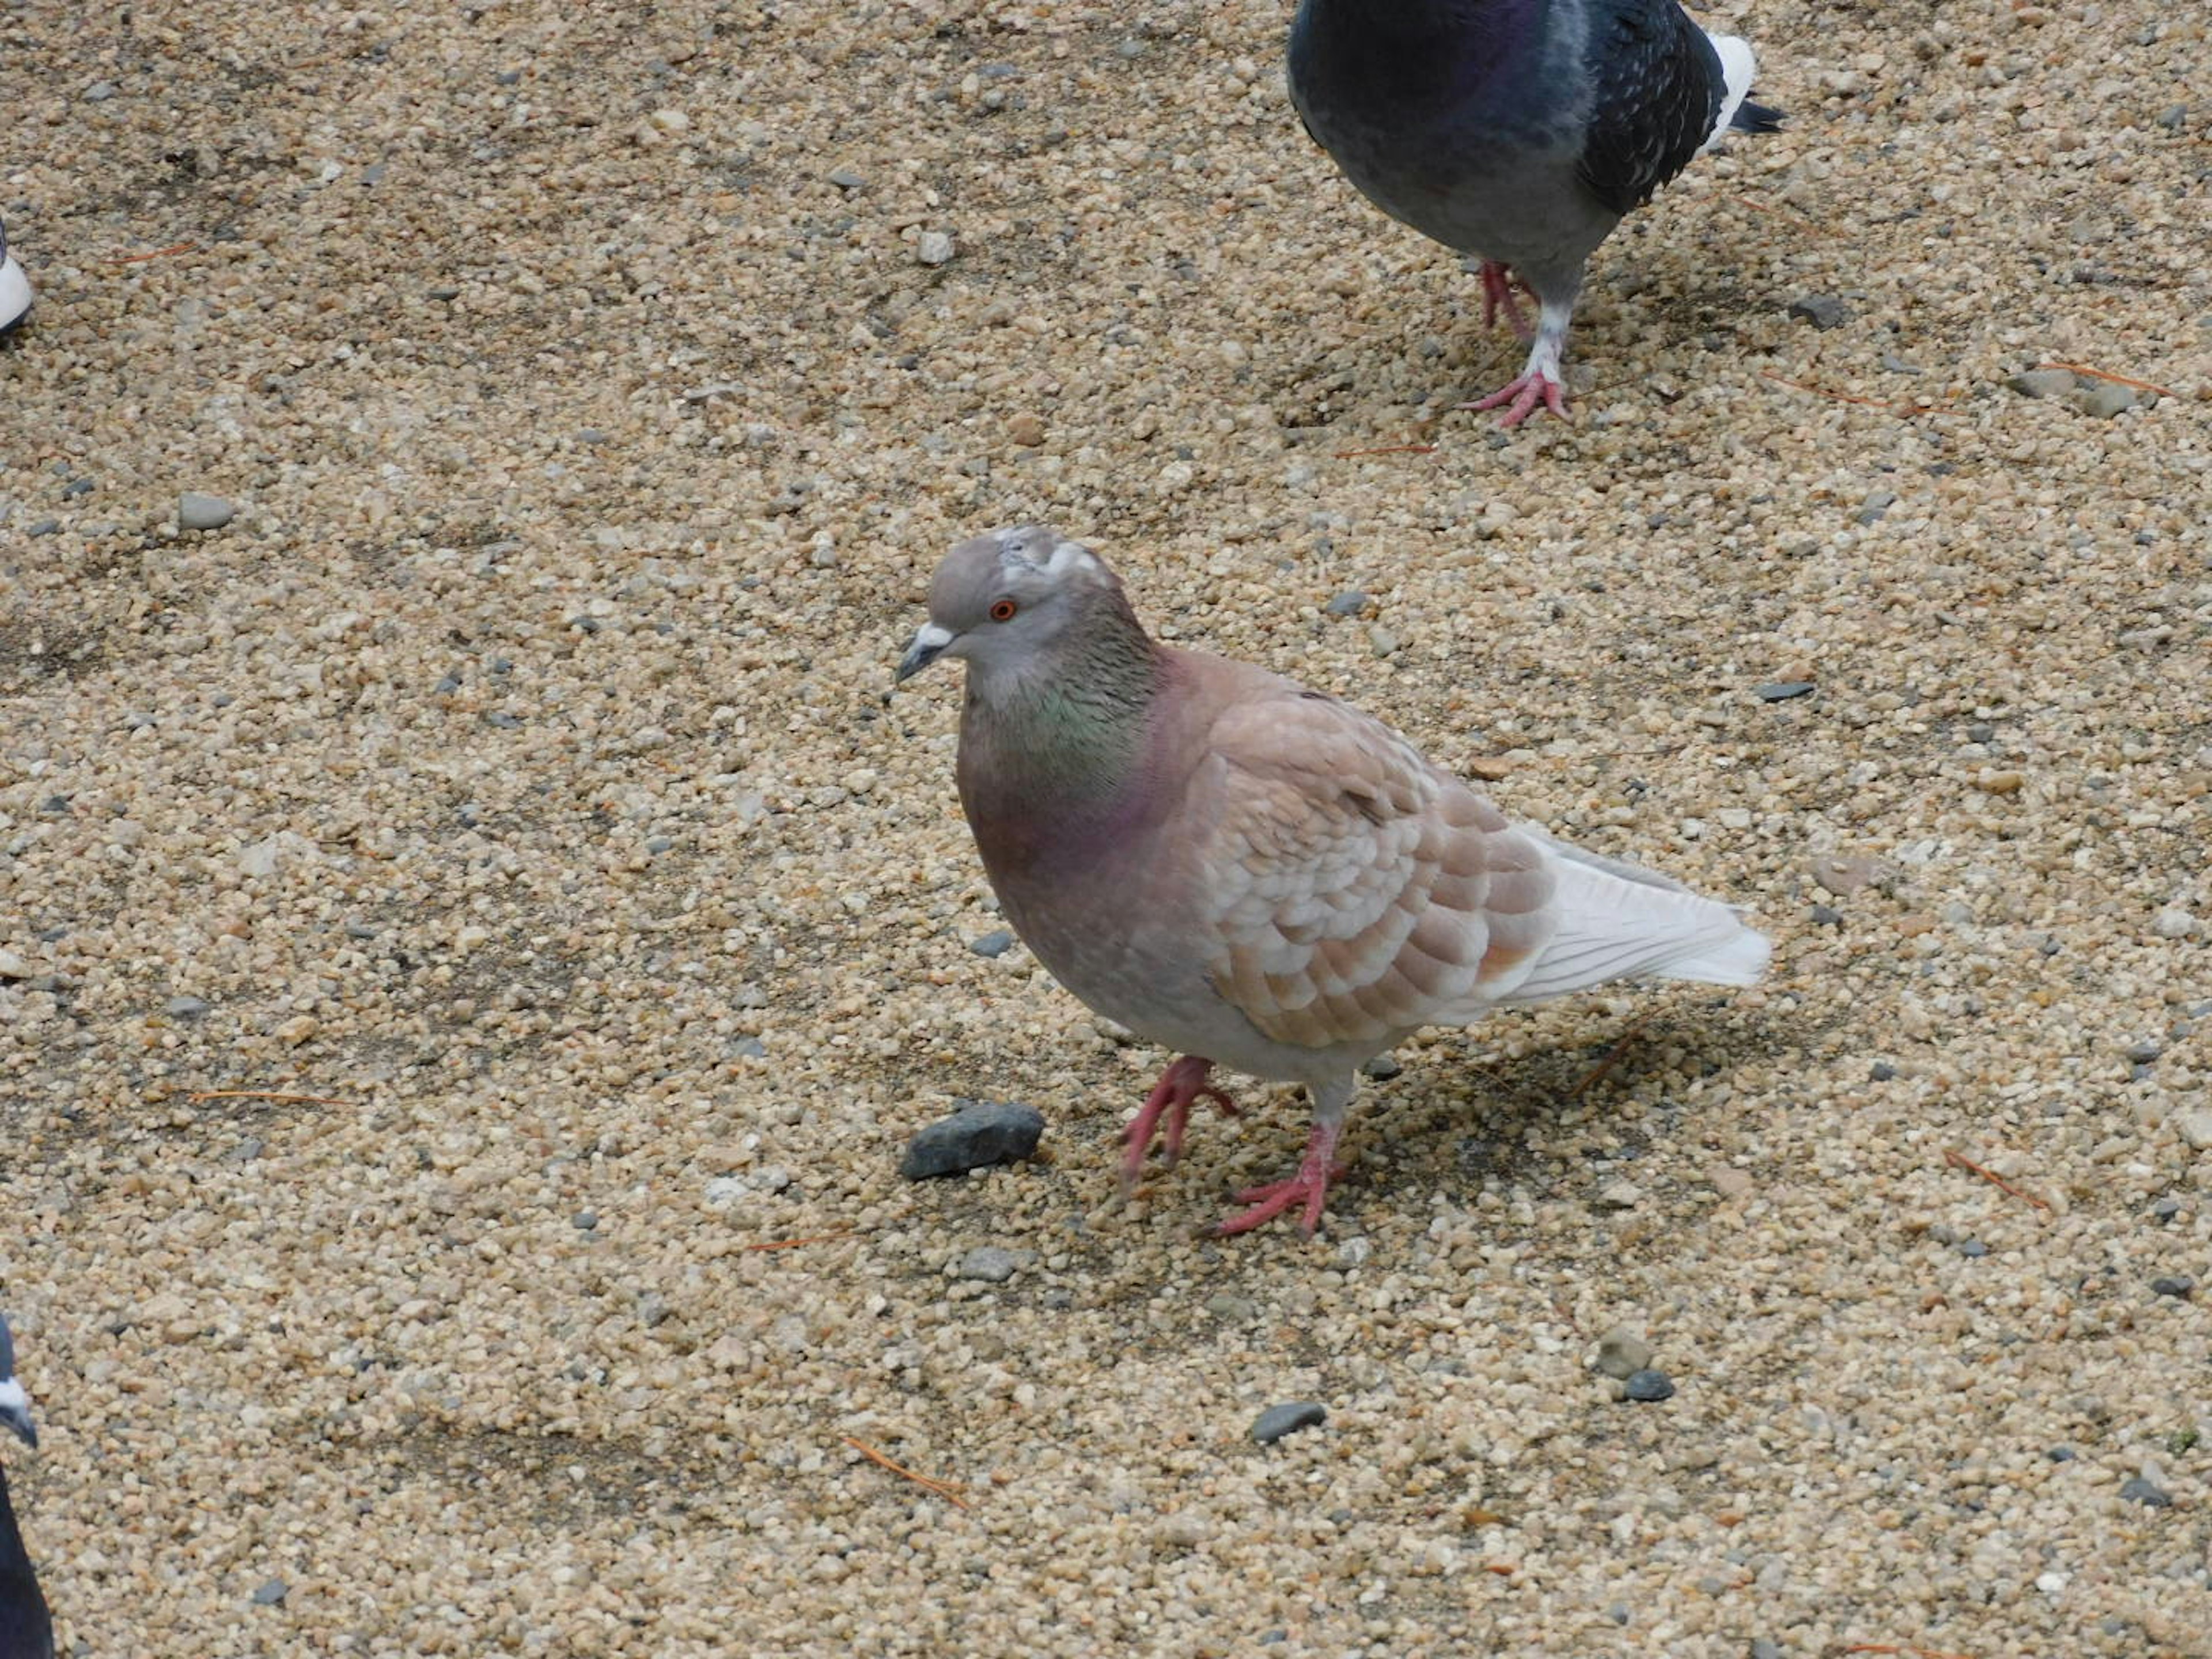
x,y
595,386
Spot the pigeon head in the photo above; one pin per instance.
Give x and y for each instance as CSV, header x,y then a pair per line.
x,y
14,1404
1002,599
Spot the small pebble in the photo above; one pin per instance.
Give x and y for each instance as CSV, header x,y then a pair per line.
x,y
2103,400
846,178
2144,1050
198,512
1647,1387
187,1007
1026,429
1783,690
1823,311
1881,1070
2061,1454
1827,916
1763,1649
1973,1247
2043,382
584,1220
979,1133
989,1263
271,1593
933,247
2196,1129
1381,1069
1622,1352
2174,1285
995,943
1349,603
2148,1494
1272,1423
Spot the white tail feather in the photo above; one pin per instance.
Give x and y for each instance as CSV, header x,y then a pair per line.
x,y
1617,921
1737,67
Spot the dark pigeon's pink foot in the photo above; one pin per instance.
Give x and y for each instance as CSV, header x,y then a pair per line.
x,y
1522,397
1308,1188
1181,1086
1498,286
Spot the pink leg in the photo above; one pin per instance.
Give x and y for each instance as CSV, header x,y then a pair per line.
x,y
1181,1086
1498,286
1310,1186
1523,395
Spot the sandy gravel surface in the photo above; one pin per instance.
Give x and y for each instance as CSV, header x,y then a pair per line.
x,y
509,775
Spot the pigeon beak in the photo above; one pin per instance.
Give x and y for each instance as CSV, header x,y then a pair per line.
x,y
929,643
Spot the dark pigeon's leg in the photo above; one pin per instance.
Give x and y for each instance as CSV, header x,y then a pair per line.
x,y
1540,382
1497,294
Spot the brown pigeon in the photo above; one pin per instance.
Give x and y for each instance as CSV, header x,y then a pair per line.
x,y
1252,874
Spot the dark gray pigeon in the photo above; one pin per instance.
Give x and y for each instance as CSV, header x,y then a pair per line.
x,y
1518,131
26,1631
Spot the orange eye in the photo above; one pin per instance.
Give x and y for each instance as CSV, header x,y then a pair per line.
x,y
1003,611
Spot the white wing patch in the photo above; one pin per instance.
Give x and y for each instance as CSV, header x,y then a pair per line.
x,y
1737,67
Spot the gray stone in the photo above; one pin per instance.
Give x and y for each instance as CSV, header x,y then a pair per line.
x,y
1763,1649
44,528
187,1007
1381,1069
1827,916
1783,690
846,178
1272,1423
1349,603
934,248
198,512
586,1220
2104,399
996,943
271,1593
749,1047
1823,311
2173,117
2180,1285
2060,1453
1622,1352
2148,1494
2144,1050
1647,1387
2043,382
1972,1248
989,1263
1881,1070
980,1133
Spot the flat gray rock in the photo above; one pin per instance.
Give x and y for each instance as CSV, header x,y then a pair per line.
x,y
1272,1423
979,1133
198,512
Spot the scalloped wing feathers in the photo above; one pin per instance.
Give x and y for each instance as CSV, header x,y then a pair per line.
x,y
1354,892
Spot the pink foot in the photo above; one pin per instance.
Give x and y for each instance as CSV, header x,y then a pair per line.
x,y
1181,1086
1522,397
1498,286
1309,1187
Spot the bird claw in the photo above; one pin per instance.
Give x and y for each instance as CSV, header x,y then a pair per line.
x,y
1522,397
1307,1190
1181,1087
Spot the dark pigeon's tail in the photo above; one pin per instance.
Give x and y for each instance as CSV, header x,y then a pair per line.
x,y
1755,117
